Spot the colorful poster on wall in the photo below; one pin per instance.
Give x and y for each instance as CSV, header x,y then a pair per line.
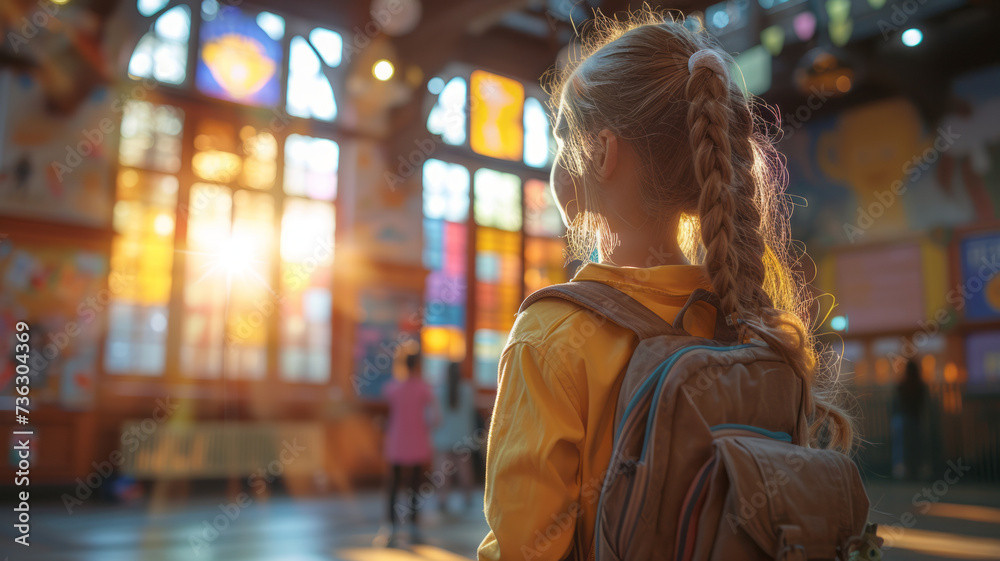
x,y
980,257
388,328
880,170
60,293
241,56
55,166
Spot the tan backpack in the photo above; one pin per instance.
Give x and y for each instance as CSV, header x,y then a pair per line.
x,y
711,458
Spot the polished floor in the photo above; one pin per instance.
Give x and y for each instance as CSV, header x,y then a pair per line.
x,y
964,523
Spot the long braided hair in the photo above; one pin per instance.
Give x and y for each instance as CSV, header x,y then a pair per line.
x,y
708,172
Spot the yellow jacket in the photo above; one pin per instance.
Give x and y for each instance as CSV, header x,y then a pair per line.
x,y
551,435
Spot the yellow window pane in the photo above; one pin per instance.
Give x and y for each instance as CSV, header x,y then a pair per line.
x,y
205,272
307,230
497,128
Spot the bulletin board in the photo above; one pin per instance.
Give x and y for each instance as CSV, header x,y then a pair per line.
x,y
60,292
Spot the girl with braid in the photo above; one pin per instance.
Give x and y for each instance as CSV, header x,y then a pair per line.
x,y
664,174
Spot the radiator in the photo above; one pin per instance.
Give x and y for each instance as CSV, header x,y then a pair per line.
x,y
221,449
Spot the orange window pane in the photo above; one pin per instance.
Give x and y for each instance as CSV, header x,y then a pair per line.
x,y
497,110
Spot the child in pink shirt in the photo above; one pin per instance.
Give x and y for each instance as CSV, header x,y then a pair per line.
x,y
408,441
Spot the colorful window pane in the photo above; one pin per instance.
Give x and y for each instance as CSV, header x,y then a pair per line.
x,y
307,230
260,152
248,265
151,136
446,211
150,7
311,167
498,296
541,215
310,94
447,117
142,254
497,116
161,54
544,263
206,268
498,200
536,134
487,347
238,60
446,191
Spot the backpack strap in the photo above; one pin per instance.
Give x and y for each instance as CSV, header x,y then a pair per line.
x,y
610,303
724,331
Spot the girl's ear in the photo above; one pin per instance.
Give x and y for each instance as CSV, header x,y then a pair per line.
x,y
606,158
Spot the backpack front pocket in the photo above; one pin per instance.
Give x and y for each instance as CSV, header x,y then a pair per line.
x,y
773,497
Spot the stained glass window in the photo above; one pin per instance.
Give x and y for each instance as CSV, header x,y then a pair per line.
x,y
447,117
446,210
248,266
239,61
498,199
307,233
446,191
260,152
497,110
498,295
310,94
151,136
142,246
141,253
161,54
536,134
541,215
206,267
311,167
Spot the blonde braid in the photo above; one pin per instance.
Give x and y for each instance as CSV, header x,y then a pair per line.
x,y
708,120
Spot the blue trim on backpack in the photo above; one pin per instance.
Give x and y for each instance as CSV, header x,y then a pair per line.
x,y
782,436
659,385
658,376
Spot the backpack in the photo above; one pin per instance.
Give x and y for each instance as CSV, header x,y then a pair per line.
x,y
711,458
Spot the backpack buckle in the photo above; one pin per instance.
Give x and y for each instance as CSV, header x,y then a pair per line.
x,y
790,546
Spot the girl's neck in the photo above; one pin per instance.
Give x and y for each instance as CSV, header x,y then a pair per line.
x,y
645,247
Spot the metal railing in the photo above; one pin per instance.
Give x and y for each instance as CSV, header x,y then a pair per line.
x,y
958,425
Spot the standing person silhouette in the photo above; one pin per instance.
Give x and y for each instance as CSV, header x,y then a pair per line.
x,y
912,397
408,442
458,410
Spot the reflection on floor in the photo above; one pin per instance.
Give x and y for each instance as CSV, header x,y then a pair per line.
x,y
281,528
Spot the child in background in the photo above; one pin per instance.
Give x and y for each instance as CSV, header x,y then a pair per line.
x,y
408,442
458,410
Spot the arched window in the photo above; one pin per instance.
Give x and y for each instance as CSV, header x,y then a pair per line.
x,y
225,219
501,133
